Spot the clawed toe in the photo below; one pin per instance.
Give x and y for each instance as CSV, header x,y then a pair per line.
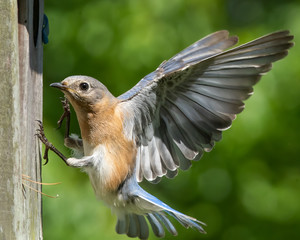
x,y
66,113
48,146
41,135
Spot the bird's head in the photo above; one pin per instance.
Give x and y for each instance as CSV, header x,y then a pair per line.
x,y
83,91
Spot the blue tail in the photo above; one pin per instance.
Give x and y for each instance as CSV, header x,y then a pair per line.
x,y
134,225
147,206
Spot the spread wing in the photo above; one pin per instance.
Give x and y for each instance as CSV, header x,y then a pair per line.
x,y
180,110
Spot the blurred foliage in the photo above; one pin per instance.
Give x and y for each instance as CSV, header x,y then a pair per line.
x,y
248,187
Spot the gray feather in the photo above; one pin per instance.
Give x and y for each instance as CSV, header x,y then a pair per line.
x,y
206,128
224,94
139,171
122,225
145,163
186,146
187,221
184,163
215,105
195,137
156,164
167,223
182,107
133,229
156,225
245,82
163,149
144,230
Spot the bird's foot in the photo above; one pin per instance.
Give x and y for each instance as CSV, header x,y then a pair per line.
x,y
66,113
48,146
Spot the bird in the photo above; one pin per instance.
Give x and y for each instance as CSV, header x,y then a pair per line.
x,y
165,122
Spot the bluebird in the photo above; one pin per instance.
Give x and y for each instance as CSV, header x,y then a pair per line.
x,y
167,120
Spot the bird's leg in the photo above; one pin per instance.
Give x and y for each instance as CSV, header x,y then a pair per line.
x,y
66,114
48,146
70,141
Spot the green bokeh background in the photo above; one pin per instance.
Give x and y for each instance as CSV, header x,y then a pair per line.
x,y
248,187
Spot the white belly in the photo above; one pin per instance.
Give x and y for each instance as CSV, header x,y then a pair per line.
x,y
108,171
100,172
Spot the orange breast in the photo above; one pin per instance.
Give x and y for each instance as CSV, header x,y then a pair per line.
x,y
104,126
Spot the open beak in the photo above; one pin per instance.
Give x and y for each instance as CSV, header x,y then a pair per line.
x,y
59,86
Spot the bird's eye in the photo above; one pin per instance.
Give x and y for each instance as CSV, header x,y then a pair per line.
x,y
84,86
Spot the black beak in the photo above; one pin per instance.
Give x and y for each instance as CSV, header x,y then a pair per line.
x,y
59,86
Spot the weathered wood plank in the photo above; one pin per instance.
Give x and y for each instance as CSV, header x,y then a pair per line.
x,y
10,182
21,105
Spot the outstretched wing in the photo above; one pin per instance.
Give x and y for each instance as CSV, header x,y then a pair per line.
x,y
180,110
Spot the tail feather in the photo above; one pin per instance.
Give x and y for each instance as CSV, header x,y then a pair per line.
x,y
133,225
122,224
144,230
156,225
131,220
187,221
151,204
167,223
